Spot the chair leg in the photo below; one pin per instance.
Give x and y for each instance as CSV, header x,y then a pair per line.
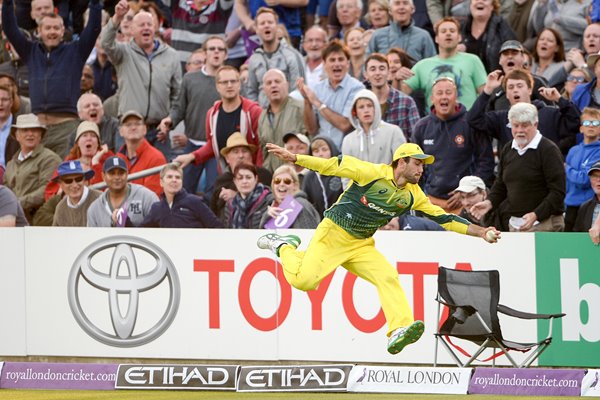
x,y
456,359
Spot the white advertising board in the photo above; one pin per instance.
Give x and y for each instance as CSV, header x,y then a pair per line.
x,y
229,302
12,292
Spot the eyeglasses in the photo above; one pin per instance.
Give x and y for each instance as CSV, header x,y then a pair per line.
x,y
287,181
214,48
573,78
68,181
593,122
229,82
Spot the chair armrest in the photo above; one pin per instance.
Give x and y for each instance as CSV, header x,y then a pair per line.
x,y
525,315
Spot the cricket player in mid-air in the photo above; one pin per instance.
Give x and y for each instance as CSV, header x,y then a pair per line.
x,y
378,193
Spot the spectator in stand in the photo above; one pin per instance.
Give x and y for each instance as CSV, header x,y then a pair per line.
x,y
11,212
513,56
149,71
560,125
353,39
322,190
569,18
372,140
54,70
122,204
313,44
297,143
73,181
197,59
87,80
105,82
177,208
402,33
484,32
286,183
198,94
396,107
398,58
195,21
232,113
465,69
348,14
378,15
89,152
16,68
138,152
320,8
529,192
577,77
8,144
283,114
471,190
20,104
332,97
238,151
459,150
273,53
548,54
590,210
90,109
578,162
246,208
28,172
584,95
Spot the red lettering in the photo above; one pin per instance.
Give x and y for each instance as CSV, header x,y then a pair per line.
x,y
214,268
418,270
316,302
275,320
360,323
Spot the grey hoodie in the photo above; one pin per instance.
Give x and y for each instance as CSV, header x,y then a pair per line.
x,y
139,201
379,143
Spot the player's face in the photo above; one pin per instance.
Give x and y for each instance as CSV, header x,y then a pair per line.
x,y
410,171
172,182
517,91
444,99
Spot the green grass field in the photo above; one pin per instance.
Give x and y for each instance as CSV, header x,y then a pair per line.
x,y
6,394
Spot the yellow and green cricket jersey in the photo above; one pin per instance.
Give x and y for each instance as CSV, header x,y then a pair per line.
x,y
373,198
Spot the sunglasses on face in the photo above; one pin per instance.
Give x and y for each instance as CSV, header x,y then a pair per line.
x,y
594,123
68,181
287,181
578,79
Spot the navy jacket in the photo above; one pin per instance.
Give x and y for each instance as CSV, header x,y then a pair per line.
x,y
557,124
458,149
54,76
188,211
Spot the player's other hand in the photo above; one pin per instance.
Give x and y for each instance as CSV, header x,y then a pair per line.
x,y
281,153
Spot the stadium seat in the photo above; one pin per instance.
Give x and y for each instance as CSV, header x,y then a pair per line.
x,y
472,299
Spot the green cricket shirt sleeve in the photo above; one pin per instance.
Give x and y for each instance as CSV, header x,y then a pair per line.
x,y
449,222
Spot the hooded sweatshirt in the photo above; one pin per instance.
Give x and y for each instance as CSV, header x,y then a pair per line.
x,y
377,145
579,160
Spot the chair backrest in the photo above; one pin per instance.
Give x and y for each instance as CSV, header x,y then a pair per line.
x,y
478,289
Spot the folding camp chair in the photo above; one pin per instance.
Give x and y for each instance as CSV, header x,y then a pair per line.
x,y
472,300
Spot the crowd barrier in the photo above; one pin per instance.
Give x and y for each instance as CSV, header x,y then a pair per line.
x,y
212,295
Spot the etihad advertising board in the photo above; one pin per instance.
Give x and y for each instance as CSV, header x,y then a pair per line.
x,y
211,294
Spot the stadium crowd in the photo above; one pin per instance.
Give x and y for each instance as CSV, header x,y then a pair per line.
x,y
505,96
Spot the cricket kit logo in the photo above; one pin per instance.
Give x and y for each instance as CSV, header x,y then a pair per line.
x,y
123,267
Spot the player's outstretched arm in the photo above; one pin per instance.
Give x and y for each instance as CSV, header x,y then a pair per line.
x,y
490,235
281,153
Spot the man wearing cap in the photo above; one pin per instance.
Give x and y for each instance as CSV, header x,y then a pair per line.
x,y
297,143
177,208
465,69
283,114
471,190
378,193
122,204
512,56
459,149
73,180
30,169
11,212
238,151
138,152
55,69
588,215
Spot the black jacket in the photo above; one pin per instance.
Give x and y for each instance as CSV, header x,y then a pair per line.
x,y
187,211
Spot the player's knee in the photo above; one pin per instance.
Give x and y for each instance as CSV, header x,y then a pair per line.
x,y
304,284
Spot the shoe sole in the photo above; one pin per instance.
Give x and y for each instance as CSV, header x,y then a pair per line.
x,y
290,239
412,334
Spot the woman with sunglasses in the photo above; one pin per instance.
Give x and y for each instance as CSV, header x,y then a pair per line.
x,y
286,183
578,76
89,151
246,208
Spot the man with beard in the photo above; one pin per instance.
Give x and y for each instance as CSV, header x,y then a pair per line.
x,y
314,42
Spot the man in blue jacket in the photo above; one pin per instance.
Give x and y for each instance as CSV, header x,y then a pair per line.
x,y
177,208
54,70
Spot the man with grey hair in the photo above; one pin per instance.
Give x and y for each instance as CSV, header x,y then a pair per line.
x,y
283,114
90,108
313,44
348,13
529,192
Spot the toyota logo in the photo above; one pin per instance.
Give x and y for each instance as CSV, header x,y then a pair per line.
x,y
119,285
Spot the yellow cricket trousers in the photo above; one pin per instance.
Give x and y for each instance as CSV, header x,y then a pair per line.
x,y
332,246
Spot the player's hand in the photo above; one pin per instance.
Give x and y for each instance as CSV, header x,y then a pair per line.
x,y
184,159
491,237
280,153
478,210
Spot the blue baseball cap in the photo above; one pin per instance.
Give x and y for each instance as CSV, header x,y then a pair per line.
x,y
114,162
72,167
